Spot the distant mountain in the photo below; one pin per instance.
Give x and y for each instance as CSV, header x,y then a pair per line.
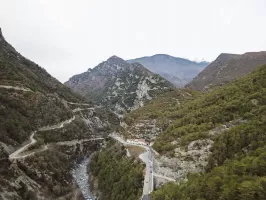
x,y
119,84
226,68
178,71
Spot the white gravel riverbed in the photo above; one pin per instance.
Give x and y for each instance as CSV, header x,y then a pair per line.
x,y
80,175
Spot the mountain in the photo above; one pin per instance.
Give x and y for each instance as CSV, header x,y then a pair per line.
x,y
45,129
221,134
30,97
226,68
119,84
178,71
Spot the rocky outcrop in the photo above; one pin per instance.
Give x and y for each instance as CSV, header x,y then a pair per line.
x,y
147,129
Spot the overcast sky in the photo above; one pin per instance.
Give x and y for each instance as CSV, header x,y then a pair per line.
x,y
67,37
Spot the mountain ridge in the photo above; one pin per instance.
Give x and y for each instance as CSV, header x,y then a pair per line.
x,y
225,68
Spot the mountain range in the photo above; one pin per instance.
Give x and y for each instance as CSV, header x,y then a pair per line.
x,y
178,71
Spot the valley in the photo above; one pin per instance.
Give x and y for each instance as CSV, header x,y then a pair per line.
x,y
121,131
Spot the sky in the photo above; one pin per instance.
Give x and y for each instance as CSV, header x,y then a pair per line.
x,y
66,37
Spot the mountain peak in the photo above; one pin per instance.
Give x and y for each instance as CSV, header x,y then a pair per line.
x,y
115,59
119,85
1,35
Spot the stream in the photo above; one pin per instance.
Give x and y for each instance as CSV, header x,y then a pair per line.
x,y
81,177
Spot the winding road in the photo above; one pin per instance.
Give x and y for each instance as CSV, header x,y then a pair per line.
x,y
146,157
16,154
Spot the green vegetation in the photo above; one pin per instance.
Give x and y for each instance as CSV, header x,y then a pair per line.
x,y
237,179
22,112
161,109
55,165
242,99
18,71
77,129
237,165
118,177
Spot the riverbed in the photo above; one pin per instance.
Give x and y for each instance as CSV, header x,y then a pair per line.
x,y
80,174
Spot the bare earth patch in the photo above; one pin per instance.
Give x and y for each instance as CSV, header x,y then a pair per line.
x,y
135,151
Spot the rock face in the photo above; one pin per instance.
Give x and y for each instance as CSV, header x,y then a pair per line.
x,y
178,71
119,85
226,68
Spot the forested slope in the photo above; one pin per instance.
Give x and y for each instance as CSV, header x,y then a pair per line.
x,y
35,100
237,164
118,177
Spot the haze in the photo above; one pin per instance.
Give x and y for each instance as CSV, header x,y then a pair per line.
x,y
68,37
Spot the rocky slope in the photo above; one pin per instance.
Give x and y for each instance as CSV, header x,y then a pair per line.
x,y
32,101
153,118
120,85
226,68
178,71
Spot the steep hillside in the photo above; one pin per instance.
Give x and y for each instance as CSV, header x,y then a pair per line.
x,y
119,85
178,71
30,97
116,176
221,133
226,68
153,118
44,130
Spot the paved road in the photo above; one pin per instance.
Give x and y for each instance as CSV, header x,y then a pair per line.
x,y
16,154
146,157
